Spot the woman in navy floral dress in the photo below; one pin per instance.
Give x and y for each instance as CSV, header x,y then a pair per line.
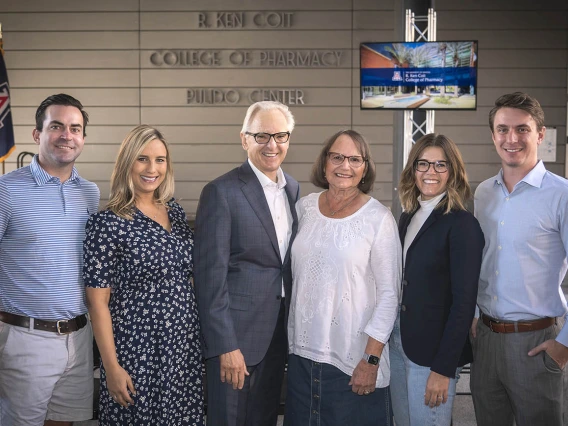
x,y
137,269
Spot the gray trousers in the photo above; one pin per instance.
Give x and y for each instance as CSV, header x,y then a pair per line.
x,y
507,384
258,402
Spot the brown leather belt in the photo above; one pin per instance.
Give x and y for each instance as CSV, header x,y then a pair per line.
x,y
59,327
517,327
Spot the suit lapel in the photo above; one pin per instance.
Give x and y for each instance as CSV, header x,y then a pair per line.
x,y
292,192
254,194
403,225
434,216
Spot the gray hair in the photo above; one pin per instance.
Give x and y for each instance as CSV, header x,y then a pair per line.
x,y
267,106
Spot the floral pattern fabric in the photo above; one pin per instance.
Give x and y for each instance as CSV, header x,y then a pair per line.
x,y
154,315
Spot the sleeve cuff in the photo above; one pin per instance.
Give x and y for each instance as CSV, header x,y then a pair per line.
x,y
563,335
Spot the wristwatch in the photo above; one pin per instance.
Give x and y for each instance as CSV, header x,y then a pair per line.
x,y
371,359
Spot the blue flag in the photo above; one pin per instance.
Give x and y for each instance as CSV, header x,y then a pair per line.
x,y
7,144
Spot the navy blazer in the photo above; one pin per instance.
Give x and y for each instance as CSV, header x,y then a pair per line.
x,y
440,281
238,268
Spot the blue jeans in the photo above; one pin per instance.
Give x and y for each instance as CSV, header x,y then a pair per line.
x,y
408,385
319,395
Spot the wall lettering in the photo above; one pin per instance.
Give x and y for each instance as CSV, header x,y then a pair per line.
x,y
216,96
232,20
186,58
248,58
300,58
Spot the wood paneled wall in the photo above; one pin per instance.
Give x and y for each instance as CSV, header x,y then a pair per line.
x,y
100,53
523,46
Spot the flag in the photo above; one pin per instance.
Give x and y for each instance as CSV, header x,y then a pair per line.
x,y
7,144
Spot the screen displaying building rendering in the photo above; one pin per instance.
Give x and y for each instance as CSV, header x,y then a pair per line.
x,y
419,75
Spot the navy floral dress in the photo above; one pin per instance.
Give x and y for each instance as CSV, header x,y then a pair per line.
x,y
154,315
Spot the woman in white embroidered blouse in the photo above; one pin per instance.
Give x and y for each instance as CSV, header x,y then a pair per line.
x,y
346,266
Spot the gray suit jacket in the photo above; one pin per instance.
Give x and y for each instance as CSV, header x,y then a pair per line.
x,y
237,263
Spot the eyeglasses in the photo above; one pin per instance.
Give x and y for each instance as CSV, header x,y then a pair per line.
x,y
424,166
264,138
354,160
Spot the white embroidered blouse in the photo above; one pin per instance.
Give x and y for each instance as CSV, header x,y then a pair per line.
x,y
346,285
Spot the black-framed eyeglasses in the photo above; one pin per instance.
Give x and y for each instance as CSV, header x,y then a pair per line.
x,y
264,138
424,166
354,160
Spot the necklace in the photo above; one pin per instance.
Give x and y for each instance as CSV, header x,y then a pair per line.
x,y
333,212
146,211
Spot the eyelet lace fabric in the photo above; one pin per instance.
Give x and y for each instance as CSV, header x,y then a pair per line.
x,y
346,276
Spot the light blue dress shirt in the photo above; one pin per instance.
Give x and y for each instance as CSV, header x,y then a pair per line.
x,y
526,241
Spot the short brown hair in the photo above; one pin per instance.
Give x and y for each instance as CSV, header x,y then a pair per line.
x,y
519,100
458,190
64,100
318,170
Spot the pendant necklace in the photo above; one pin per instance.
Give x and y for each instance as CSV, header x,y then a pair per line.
x,y
148,214
333,212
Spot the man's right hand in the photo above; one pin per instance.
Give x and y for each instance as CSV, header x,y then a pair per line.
x,y
233,368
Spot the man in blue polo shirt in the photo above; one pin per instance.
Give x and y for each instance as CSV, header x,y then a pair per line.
x,y
45,339
520,343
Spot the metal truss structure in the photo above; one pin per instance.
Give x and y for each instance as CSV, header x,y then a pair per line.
x,y
415,32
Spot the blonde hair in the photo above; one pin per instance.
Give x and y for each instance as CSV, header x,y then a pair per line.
x,y
122,197
458,190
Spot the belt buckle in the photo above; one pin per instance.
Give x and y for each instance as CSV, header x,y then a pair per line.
x,y
59,328
491,325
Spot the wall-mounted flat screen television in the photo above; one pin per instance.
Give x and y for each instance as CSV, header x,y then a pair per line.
x,y
431,75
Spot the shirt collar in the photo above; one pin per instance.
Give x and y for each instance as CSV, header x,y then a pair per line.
x,y
42,177
431,202
265,180
533,178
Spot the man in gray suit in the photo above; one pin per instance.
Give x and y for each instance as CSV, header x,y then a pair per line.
x,y
246,222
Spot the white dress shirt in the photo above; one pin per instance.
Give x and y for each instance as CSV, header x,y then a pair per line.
x,y
279,208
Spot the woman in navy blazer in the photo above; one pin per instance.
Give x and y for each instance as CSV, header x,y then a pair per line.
x,y
442,248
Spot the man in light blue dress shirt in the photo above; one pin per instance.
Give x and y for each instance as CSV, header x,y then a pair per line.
x,y
520,342
46,358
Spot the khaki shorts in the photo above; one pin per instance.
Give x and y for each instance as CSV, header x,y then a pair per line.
x,y
45,376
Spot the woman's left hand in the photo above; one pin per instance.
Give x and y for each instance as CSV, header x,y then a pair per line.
x,y
364,378
436,390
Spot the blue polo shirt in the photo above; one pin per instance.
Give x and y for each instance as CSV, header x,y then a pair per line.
x,y
42,228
